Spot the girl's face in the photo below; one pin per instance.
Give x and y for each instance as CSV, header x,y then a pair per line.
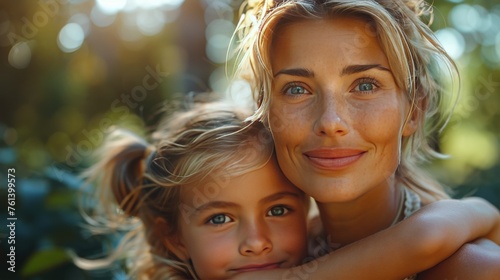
x,y
250,222
336,113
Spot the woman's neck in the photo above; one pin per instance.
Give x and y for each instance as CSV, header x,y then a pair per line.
x,y
350,221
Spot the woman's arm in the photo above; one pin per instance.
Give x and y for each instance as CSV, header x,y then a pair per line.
x,y
476,260
423,240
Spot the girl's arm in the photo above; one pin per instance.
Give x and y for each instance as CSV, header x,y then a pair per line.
x,y
423,240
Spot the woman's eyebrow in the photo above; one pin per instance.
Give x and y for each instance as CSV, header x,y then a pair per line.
x,y
348,70
302,72
357,68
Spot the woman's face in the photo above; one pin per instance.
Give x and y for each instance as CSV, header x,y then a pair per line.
x,y
336,113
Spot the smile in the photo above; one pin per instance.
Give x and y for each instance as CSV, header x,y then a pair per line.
x,y
335,159
255,267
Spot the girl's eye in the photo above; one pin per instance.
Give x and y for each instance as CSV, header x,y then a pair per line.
x,y
219,219
366,86
278,211
295,89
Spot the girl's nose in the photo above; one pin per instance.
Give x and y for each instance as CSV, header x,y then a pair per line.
x,y
255,240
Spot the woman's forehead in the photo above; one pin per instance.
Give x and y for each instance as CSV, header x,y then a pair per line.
x,y
345,40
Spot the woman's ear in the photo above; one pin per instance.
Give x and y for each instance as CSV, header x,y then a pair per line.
x,y
171,240
414,119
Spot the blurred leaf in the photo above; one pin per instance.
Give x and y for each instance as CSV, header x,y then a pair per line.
x,y
63,175
64,199
7,155
44,260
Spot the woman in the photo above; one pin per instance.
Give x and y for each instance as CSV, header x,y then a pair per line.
x,y
348,91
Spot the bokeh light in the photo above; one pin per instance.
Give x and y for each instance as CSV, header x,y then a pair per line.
x,y
115,6
240,92
83,21
473,27
483,154
452,41
150,22
465,18
71,37
20,55
111,6
218,34
101,19
218,10
128,30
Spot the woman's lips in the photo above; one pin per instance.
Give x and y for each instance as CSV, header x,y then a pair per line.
x,y
333,159
255,267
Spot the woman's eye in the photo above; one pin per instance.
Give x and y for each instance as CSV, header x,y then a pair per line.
x,y
366,85
278,211
296,90
219,219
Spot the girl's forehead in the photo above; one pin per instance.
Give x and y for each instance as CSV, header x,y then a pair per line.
x,y
257,183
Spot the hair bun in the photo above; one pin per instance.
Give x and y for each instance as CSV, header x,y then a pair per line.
x,y
419,7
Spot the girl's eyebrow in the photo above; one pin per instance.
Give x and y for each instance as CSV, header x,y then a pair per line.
x,y
226,204
215,205
279,195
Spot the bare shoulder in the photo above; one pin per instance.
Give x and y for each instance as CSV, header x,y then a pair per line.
x,y
476,260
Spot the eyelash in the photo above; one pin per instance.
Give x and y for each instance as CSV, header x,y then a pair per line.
x,y
291,85
210,220
286,208
366,80
227,219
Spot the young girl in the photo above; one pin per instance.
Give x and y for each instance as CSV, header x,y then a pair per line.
x,y
209,201
206,201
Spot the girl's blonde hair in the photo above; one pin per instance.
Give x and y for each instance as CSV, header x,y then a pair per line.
x,y
137,182
410,46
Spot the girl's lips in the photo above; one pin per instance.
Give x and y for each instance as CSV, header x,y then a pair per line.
x,y
255,267
333,159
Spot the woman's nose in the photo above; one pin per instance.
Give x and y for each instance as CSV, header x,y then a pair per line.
x,y
255,239
330,117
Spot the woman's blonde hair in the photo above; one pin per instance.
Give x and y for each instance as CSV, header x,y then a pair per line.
x,y
137,182
412,50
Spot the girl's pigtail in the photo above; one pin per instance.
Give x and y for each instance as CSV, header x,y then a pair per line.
x,y
127,176
111,197
119,173
126,204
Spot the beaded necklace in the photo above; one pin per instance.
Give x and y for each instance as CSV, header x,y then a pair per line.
x,y
411,202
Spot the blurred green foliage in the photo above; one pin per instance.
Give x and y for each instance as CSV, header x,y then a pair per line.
x,y
63,85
